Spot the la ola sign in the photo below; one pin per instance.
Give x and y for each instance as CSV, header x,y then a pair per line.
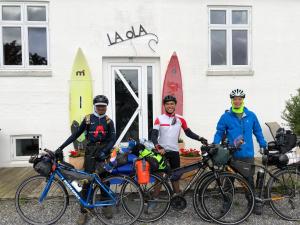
x,y
131,34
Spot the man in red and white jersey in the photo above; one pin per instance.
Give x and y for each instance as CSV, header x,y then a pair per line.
x,y
166,132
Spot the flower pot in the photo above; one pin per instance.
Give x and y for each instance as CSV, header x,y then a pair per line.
x,y
184,161
77,162
181,145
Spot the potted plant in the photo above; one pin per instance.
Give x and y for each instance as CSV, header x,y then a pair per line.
x,y
187,157
76,158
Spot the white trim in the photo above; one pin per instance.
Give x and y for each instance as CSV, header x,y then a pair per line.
x,y
134,62
25,73
229,27
229,72
24,24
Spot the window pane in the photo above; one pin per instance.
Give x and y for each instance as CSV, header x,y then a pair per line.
x,y
217,16
36,13
218,47
12,47
11,13
27,147
150,100
240,47
37,40
239,17
125,104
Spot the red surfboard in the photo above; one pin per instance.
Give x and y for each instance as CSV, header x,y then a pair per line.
x,y
173,84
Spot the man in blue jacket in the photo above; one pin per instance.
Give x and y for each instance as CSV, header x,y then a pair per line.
x,y
240,122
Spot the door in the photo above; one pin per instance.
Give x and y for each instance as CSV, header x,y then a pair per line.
x,y
132,100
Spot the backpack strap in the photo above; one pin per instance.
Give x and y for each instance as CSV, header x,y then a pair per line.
x,y
88,119
88,124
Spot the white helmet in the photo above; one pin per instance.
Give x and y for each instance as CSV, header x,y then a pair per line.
x,y
237,93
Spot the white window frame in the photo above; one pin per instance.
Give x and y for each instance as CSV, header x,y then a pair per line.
x,y
24,24
13,138
110,63
229,27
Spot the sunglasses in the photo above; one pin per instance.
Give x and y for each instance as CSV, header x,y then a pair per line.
x,y
174,121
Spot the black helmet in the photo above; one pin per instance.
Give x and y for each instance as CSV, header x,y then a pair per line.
x,y
100,100
170,98
237,93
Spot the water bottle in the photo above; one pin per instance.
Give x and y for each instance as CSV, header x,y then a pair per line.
x,y
260,178
76,185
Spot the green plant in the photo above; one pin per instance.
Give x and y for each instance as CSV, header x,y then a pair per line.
x,y
189,152
76,153
291,113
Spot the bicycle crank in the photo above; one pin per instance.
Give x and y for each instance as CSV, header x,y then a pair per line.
x,y
178,203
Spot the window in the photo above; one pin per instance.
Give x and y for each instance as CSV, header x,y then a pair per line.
x,y
24,146
24,35
229,38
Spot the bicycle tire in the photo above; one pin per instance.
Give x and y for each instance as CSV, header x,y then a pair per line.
x,y
117,183
26,199
290,192
158,210
197,196
239,184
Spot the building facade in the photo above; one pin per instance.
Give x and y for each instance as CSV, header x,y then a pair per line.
x,y
221,45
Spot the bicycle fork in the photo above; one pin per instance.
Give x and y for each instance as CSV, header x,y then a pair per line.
x,y
47,188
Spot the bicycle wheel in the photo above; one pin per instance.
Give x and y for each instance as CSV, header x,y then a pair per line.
x,y
284,191
197,196
131,197
227,199
157,199
50,209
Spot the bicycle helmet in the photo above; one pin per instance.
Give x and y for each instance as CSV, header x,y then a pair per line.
x,y
170,98
100,100
237,93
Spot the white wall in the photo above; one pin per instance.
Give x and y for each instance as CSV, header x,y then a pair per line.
x,y
40,105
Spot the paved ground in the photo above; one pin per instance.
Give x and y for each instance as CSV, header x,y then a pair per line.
x,y
8,215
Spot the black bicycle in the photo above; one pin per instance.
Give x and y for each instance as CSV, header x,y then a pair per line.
x,y
159,196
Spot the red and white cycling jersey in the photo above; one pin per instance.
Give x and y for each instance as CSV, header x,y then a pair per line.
x,y
168,133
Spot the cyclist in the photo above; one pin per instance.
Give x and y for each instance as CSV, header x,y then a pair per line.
x,y
236,123
166,132
101,136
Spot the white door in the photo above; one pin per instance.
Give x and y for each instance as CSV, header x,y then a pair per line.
x,y
132,100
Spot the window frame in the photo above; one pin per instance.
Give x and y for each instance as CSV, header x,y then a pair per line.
x,y
13,138
229,27
24,24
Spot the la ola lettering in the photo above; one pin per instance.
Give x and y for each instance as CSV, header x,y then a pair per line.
x,y
130,34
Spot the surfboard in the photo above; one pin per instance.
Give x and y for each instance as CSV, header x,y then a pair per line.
x,y
173,84
81,94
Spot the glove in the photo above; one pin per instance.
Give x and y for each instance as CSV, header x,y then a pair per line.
x,y
59,154
263,150
203,140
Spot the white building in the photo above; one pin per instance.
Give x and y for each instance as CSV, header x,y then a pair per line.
x,y
221,45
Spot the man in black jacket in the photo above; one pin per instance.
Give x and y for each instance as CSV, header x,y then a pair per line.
x,y
101,136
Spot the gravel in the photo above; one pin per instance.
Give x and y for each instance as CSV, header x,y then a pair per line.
x,y
8,215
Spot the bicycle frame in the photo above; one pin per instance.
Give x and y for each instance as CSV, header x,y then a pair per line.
x,y
94,180
266,172
181,170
